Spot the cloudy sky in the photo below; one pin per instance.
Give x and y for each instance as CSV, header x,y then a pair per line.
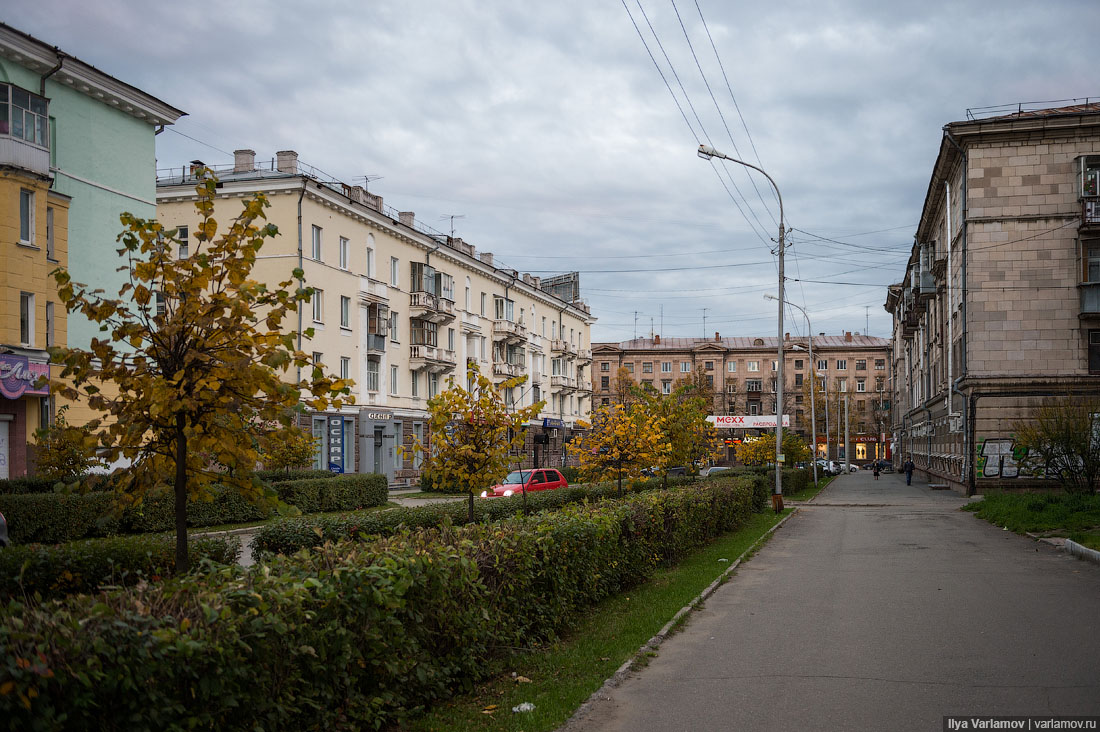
x,y
550,130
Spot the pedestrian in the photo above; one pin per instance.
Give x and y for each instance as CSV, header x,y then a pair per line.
x,y
874,469
908,468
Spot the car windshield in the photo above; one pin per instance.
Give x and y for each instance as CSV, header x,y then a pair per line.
x,y
517,476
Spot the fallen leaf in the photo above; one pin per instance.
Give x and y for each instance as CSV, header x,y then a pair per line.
x,y
522,680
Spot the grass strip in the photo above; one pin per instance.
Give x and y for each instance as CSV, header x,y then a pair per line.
x,y
563,675
810,491
1055,514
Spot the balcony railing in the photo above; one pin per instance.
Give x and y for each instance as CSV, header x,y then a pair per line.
x,y
373,291
426,306
584,354
584,385
562,383
1090,211
508,330
432,358
507,370
559,345
1090,298
376,344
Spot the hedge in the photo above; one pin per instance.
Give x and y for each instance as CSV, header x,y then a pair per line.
x,y
94,482
286,536
57,517
349,636
281,476
83,566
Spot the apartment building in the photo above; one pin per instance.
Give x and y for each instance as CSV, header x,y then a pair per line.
x,y
76,149
999,307
742,371
400,309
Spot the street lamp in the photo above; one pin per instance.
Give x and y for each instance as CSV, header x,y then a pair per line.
x,y
813,378
706,152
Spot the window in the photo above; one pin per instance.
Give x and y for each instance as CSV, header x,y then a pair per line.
x,y
754,366
372,375
842,385
798,364
798,379
319,425
753,385
423,332
503,308
822,365
468,300
49,235
318,359
666,387
861,364
345,367
775,365
754,408
605,402
370,255
666,367
414,384
861,385
345,311
483,298
343,252
315,251
433,385
709,365
49,324
772,386
26,318
842,364
318,306
28,115
647,367
393,326
393,380
395,272
543,326
630,367
605,382
185,243
482,348
731,367
880,364
605,366
1094,351
450,339
685,367
26,217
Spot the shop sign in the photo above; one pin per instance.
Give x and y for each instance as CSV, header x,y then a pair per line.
x,y
378,416
747,421
18,376
336,444
553,423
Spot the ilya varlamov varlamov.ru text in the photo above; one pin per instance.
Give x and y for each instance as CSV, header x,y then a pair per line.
x,y
1025,723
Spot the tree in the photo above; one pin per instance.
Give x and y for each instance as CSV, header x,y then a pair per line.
x,y
197,351
474,433
63,451
624,440
761,451
698,385
295,449
1063,442
683,423
625,389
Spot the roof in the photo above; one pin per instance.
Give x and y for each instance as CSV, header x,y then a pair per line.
x,y
745,343
993,113
42,58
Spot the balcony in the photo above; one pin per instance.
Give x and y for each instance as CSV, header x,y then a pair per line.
x,y
584,385
373,291
925,286
431,358
562,383
507,370
506,330
434,309
25,142
1090,299
565,348
1090,212
375,344
584,355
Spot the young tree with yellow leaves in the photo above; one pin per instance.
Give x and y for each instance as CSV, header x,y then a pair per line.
x,y
474,433
761,450
624,440
683,418
197,351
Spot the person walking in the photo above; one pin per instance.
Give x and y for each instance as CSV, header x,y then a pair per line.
x,y
874,469
908,468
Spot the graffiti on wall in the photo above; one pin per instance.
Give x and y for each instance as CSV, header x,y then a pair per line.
x,y
999,457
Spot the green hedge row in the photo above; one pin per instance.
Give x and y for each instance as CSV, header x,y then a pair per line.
x,y
349,636
281,476
286,536
57,517
84,566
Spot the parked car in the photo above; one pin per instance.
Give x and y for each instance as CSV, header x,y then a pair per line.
x,y
3,531
543,479
713,470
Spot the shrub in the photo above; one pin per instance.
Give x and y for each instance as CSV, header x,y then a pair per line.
x,y
571,474
350,636
281,476
430,481
83,566
346,493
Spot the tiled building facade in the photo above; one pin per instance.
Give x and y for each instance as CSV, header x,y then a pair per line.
x,y
999,308
742,373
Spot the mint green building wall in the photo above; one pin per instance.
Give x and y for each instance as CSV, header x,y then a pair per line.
x,y
92,141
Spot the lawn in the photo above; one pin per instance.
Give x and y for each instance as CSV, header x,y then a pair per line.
x,y
810,491
560,677
1050,514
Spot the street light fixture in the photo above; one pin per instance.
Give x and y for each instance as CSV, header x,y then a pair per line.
x,y
706,152
813,378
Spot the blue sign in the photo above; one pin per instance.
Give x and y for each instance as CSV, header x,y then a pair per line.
x,y
336,462
335,467
553,422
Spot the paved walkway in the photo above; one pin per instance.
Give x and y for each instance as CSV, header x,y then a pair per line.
x,y
878,606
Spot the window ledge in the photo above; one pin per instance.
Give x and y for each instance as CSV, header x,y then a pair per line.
x,y
28,245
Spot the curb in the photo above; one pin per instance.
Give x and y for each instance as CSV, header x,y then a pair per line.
x,y
655,642
1082,552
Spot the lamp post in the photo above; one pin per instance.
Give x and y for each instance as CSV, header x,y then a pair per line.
x,y
813,378
706,152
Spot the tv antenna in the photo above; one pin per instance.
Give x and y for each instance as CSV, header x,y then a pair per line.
x,y
452,217
367,180
705,321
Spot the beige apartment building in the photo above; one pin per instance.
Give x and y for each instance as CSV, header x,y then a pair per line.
x,y
999,307
401,308
851,368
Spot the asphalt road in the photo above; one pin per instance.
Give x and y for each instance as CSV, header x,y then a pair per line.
x,y
877,607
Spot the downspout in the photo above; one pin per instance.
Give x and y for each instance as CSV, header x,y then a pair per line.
x,y
301,280
60,62
969,414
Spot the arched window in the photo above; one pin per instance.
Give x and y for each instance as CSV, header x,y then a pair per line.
x,y
370,255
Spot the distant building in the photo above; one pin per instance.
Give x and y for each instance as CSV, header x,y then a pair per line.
x,y
401,308
999,307
742,372
76,150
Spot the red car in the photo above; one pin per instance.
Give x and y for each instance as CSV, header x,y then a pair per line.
x,y
543,479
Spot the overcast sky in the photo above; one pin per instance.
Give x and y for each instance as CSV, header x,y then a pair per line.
x,y
548,127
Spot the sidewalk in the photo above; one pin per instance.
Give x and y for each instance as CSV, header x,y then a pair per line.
x,y
877,606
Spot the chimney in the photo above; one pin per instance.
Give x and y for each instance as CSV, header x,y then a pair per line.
x,y
716,336
656,339
786,336
848,336
487,258
244,161
359,194
286,161
195,165
406,217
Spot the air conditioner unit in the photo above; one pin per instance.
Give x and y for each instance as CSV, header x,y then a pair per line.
x,y
955,423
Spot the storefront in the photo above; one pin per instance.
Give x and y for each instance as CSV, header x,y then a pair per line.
x,y
377,445
335,433
24,406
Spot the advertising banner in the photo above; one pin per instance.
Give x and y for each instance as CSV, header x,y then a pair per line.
x,y
18,376
746,421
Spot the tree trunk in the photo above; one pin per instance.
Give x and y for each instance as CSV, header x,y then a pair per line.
x,y
182,561
470,512
620,479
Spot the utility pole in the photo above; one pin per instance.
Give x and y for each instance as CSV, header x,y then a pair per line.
x,y
847,457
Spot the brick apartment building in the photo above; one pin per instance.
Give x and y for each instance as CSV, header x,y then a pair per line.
x,y
742,373
999,307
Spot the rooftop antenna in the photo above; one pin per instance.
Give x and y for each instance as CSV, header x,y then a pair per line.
x,y
867,320
705,322
662,318
635,324
367,180
452,217
651,331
